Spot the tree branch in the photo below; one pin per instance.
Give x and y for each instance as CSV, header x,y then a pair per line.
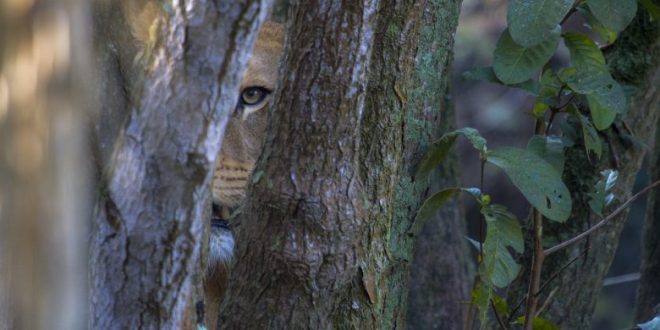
x,y
589,231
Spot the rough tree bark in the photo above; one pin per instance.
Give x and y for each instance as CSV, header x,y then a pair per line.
x,y
326,235
149,224
440,274
648,293
44,74
633,60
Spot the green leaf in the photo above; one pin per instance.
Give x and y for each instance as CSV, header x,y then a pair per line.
x,y
550,148
503,231
538,181
439,149
591,140
591,77
614,14
531,21
538,323
481,296
583,82
605,103
516,64
602,196
652,8
550,87
487,74
501,306
606,35
585,54
433,203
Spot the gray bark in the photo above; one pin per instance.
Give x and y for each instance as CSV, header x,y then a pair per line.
x,y
633,60
440,274
44,74
325,237
149,220
648,293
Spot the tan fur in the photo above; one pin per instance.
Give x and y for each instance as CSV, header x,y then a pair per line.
x,y
244,136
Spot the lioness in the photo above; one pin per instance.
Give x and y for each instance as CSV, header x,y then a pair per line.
x,y
241,145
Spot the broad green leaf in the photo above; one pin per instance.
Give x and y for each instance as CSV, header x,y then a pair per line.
x,y
550,87
605,103
550,148
591,77
602,196
585,54
614,14
516,64
439,149
501,306
583,82
591,140
433,203
487,74
531,21
503,231
477,141
606,35
569,134
481,296
538,181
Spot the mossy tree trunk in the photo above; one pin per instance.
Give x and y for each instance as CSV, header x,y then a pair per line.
x,y
326,235
634,61
440,274
152,211
648,293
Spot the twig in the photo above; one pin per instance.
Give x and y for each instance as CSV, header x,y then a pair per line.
x,y
547,302
612,215
497,315
545,284
537,264
481,217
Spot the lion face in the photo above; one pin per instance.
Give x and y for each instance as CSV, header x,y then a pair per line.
x,y
247,126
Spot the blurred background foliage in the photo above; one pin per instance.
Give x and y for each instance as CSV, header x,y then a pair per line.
x,y
502,115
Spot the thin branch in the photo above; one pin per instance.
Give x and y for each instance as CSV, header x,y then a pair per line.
x,y
612,215
547,302
546,283
497,315
537,265
481,217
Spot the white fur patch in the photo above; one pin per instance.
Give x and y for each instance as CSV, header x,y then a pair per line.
x,y
221,247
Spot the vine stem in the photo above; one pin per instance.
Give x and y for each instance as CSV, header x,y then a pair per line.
x,y
537,265
612,215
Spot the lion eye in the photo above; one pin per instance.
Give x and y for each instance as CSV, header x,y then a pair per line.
x,y
253,95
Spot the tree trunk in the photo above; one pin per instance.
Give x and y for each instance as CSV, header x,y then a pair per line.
x,y
648,293
325,237
633,60
44,74
440,275
149,217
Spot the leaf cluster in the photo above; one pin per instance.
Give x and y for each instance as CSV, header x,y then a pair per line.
x,y
584,91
